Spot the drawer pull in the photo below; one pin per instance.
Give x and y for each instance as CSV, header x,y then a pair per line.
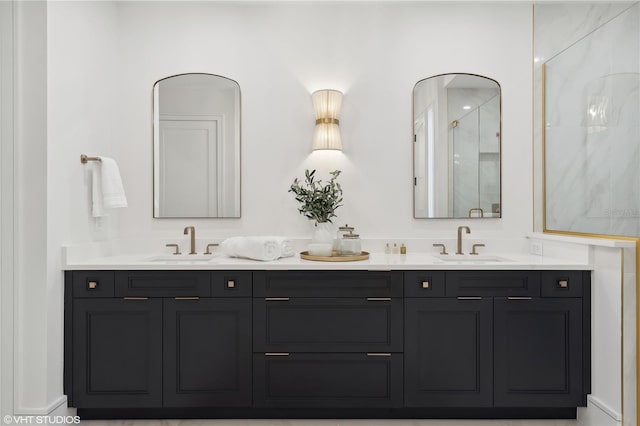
x,y
518,298
135,298
469,298
378,354
231,284
425,284
92,285
281,299
378,299
563,283
187,298
276,353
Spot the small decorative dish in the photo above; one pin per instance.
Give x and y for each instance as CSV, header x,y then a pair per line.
x,y
334,257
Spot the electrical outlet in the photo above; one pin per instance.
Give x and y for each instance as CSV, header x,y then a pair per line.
x,y
535,247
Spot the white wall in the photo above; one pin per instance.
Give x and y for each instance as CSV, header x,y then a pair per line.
x,y
30,206
279,54
6,208
81,103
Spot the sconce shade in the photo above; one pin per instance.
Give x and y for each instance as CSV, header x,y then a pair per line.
x,y
327,104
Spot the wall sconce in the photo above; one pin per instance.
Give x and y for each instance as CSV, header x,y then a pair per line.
x,y
327,104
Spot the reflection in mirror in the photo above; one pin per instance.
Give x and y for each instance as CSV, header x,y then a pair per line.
x,y
456,150
196,147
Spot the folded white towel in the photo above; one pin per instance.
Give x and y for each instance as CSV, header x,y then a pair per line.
x,y
107,189
257,248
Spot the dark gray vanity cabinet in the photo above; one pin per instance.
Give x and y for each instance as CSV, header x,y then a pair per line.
x,y
151,339
207,352
497,339
448,352
541,344
538,352
117,353
327,339
358,344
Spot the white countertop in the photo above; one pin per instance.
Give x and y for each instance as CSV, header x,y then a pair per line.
x,y
376,261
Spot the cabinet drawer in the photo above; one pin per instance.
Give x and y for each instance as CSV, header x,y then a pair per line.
x,y
562,283
492,283
424,284
231,284
327,380
327,325
327,284
92,284
163,284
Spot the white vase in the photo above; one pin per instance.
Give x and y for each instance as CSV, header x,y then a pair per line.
x,y
321,239
322,233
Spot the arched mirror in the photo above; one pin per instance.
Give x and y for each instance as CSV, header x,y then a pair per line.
x,y
456,150
196,147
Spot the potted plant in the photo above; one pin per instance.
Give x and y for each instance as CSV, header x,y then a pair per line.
x,y
318,202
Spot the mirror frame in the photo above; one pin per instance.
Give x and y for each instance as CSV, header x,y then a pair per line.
x,y
153,149
413,146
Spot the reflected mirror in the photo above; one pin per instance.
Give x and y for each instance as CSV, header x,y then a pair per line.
x,y
196,147
456,150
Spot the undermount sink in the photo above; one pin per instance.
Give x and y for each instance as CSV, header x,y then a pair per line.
x,y
472,259
182,258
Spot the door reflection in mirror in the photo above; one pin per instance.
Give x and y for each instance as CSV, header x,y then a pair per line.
x,y
196,147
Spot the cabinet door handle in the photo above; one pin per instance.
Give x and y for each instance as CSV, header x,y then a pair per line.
x,y
281,299
378,299
231,283
135,298
469,297
425,284
187,298
378,354
276,354
92,285
563,283
518,298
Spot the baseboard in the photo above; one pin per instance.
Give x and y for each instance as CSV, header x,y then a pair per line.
x,y
326,413
43,411
604,408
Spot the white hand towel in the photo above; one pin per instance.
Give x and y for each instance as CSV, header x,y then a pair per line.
x,y
97,206
257,248
107,191
112,189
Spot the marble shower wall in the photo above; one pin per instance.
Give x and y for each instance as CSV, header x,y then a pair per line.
x,y
591,124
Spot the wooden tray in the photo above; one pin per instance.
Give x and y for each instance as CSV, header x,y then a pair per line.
x,y
334,258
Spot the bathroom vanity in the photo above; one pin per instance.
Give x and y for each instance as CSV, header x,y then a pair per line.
x,y
313,341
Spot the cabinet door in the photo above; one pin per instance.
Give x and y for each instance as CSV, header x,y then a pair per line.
x,y
538,352
328,325
207,352
327,380
448,352
117,353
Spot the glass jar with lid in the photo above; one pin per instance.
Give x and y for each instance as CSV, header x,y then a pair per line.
x,y
346,229
350,245
343,230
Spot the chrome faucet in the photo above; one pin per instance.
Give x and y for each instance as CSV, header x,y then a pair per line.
x,y
460,229
193,238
